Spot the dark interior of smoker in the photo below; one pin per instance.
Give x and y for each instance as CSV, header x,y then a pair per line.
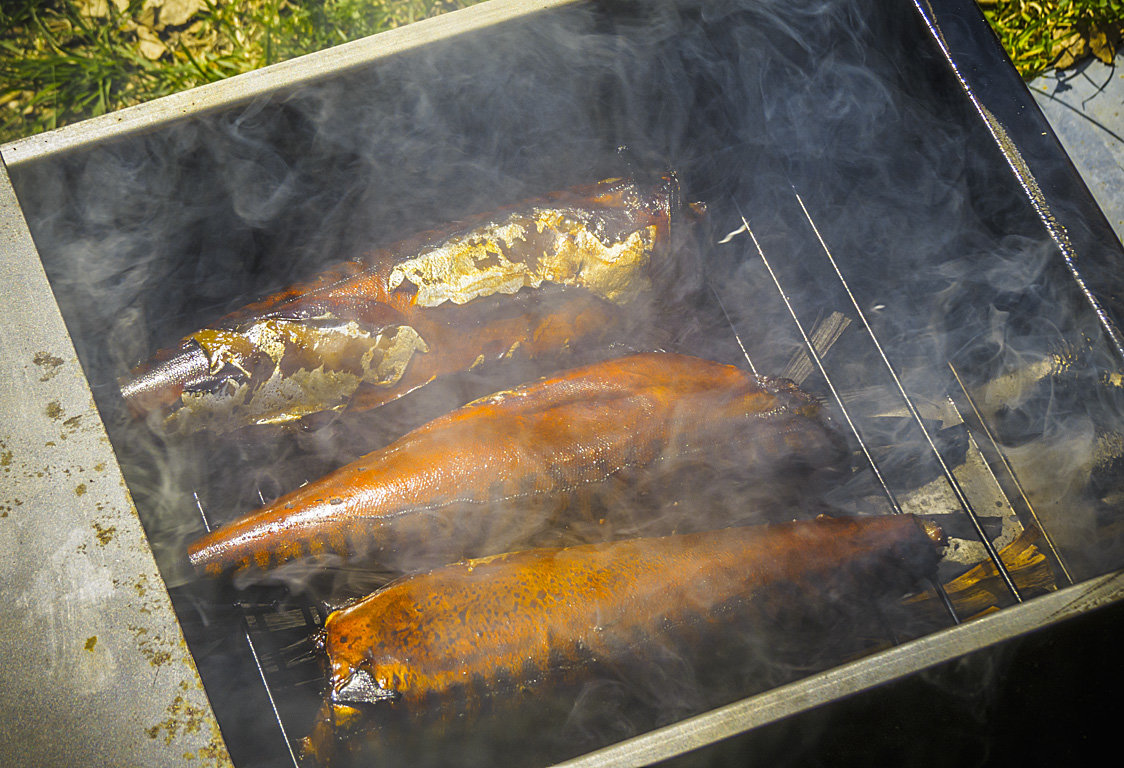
x,y
833,129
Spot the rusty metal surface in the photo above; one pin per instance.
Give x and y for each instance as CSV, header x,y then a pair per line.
x,y
93,666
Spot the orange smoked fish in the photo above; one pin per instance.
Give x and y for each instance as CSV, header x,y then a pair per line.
x,y
527,282
517,622
486,477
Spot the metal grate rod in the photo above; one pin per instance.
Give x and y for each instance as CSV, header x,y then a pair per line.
x,y
953,483
818,362
737,336
254,655
1016,490
269,695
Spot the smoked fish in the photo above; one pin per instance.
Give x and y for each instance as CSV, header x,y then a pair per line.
x,y
527,282
488,476
522,622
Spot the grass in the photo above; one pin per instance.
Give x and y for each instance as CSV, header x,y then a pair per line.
x,y
1055,34
65,60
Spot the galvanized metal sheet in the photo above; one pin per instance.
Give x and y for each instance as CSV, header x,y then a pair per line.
x,y
93,665
268,81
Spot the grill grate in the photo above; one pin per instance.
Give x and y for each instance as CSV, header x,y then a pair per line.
x,y
927,434
264,624
1002,473
890,371
279,632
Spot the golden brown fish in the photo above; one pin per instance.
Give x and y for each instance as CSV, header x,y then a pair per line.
x,y
516,623
526,282
489,476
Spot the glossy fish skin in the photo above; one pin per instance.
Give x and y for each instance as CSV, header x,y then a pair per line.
x,y
486,477
523,621
367,331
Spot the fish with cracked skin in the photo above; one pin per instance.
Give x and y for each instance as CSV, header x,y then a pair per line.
x,y
529,282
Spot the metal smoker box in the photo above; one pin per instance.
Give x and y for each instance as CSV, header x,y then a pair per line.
x,y
890,222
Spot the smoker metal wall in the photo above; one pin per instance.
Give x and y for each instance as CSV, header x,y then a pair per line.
x,y
268,81
694,733
93,667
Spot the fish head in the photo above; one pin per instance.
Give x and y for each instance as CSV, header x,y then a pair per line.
x,y
274,367
359,687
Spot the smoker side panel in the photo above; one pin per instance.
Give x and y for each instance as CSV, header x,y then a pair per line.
x,y
266,83
856,677
93,665
1037,158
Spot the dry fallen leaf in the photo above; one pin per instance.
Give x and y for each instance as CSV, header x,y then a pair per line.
x,y
176,13
1102,46
149,44
99,9
197,39
1069,47
148,13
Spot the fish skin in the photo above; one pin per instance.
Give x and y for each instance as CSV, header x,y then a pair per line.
x,y
367,331
521,622
488,476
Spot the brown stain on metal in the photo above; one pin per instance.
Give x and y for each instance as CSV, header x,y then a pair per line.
x,y
150,646
105,534
140,586
48,363
182,718
213,753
